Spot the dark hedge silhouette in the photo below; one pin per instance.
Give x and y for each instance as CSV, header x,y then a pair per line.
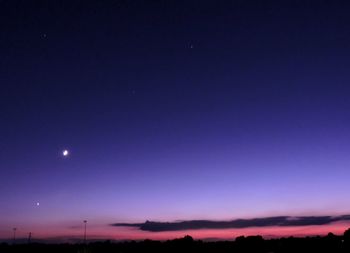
x,y
330,243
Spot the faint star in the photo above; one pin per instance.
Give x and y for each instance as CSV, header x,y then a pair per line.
x,y
37,204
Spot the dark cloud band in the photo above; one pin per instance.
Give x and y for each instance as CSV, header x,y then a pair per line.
x,y
153,226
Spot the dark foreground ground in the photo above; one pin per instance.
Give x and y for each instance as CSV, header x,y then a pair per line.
x,y
329,243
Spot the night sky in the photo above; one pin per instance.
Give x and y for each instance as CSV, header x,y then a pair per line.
x,y
173,110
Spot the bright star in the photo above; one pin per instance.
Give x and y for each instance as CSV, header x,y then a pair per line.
x,y
65,152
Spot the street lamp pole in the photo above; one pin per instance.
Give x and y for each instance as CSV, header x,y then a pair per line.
x,y
14,234
29,237
85,221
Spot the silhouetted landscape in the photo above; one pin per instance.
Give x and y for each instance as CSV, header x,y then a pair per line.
x,y
330,243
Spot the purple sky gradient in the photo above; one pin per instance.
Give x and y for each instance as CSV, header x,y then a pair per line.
x,y
250,121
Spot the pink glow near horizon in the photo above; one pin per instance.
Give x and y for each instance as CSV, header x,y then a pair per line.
x,y
127,233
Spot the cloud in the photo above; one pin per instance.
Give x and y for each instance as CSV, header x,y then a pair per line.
x,y
283,221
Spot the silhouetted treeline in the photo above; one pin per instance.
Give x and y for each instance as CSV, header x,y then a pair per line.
x,y
330,243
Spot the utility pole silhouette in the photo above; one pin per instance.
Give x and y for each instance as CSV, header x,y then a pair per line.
x,y
14,235
29,237
85,221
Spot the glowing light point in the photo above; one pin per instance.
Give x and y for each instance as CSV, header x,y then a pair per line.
x,y
65,152
37,204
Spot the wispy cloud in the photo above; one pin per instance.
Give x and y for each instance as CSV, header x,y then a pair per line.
x,y
153,226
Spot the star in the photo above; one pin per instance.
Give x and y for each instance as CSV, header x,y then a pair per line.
x,y
37,204
65,152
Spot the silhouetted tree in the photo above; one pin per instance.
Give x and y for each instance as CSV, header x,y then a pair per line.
x,y
347,234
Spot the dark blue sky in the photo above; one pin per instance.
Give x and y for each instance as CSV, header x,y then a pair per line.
x,y
173,110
